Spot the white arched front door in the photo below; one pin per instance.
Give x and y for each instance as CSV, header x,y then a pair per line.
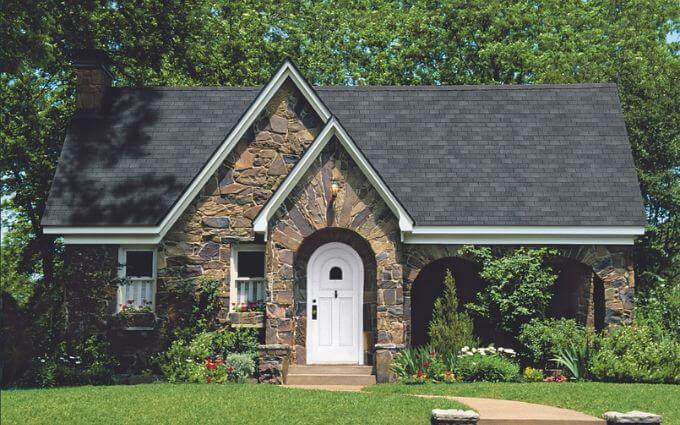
x,y
335,276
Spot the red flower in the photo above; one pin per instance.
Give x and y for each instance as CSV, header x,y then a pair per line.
x,y
209,379
426,364
420,373
433,354
230,369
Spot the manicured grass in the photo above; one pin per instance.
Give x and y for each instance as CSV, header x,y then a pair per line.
x,y
207,404
593,398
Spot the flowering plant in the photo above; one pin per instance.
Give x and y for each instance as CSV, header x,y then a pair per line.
x,y
249,306
130,307
558,379
533,375
490,350
236,368
418,378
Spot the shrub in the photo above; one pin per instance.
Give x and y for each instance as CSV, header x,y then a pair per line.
x,y
185,361
519,286
659,306
542,339
88,363
486,365
636,353
449,329
242,366
533,375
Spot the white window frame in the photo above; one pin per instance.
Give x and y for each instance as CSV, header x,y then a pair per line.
x,y
122,261
233,271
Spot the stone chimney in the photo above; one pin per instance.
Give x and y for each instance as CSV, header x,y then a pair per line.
x,y
93,78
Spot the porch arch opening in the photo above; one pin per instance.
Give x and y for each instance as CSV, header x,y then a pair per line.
x,y
429,285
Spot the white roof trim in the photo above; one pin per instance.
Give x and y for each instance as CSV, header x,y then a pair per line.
x,y
513,235
287,70
332,128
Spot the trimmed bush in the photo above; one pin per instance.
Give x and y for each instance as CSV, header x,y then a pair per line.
x,y
542,340
636,353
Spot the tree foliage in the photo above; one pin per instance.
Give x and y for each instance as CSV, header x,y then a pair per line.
x,y
519,287
450,329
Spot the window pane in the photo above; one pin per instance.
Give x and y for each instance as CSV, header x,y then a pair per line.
x,y
251,264
336,273
139,264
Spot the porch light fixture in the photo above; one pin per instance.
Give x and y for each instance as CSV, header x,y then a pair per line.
x,y
335,188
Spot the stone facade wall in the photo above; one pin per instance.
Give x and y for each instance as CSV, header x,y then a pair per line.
x,y
199,244
311,208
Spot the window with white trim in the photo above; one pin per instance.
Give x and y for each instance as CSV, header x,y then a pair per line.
x,y
137,290
247,277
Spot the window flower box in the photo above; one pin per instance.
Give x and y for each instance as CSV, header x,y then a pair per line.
x,y
247,319
135,319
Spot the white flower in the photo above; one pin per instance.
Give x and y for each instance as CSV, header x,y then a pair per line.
x,y
78,362
42,360
466,348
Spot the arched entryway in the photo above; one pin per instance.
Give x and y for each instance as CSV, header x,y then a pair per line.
x,y
334,313
302,257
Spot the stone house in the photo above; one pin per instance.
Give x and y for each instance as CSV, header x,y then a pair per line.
x,y
332,212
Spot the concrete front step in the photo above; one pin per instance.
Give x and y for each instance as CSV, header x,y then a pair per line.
x,y
330,375
330,370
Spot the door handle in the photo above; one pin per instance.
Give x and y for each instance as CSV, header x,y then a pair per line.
x,y
313,311
336,293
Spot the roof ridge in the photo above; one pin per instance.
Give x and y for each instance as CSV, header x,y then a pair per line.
x,y
188,88
452,87
472,86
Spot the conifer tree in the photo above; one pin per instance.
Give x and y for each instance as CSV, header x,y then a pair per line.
x,y
450,329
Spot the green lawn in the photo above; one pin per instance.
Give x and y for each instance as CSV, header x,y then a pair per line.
x,y
594,398
206,404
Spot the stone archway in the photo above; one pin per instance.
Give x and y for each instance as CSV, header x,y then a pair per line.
x,y
301,258
613,265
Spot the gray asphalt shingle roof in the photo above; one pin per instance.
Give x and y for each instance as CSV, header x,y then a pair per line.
x,y
452,155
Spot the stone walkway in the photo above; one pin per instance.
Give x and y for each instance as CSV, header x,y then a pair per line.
x,y
508,412
496,412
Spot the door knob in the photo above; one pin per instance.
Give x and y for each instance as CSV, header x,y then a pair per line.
x,y
314,312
